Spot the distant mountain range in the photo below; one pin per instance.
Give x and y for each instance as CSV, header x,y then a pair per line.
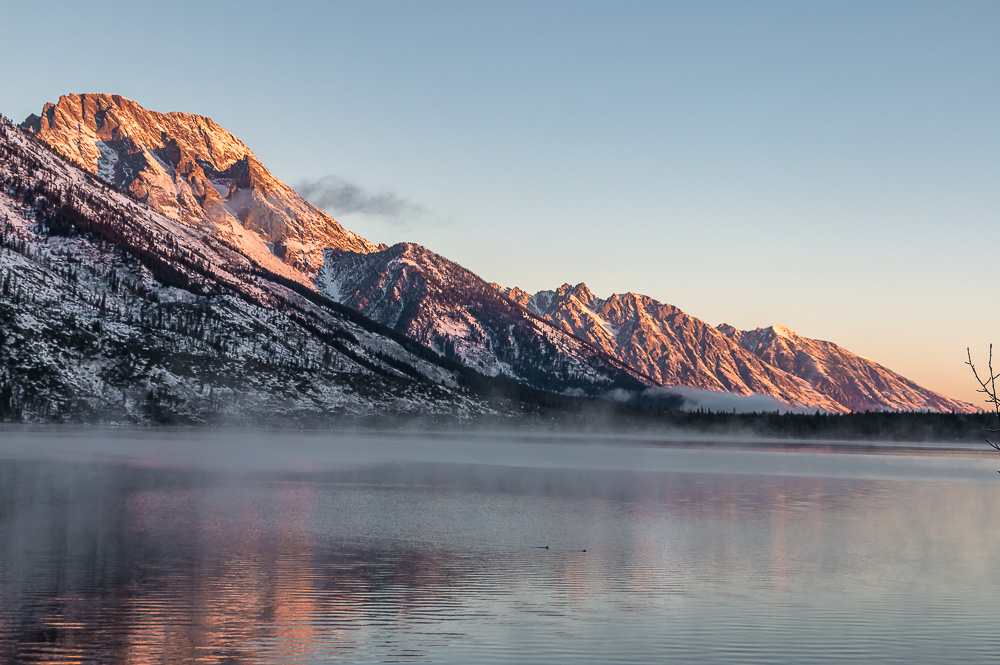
x,y
665,343
213,198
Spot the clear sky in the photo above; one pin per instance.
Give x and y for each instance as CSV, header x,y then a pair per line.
x,y
833,167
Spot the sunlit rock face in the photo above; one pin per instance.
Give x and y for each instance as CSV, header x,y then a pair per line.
x,y
451,310
855,382
676,349
663,342
193,171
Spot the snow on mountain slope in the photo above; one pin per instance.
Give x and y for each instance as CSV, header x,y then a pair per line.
x,y
112,312
217,196
192,171
451,310
855,382
195,172
663,342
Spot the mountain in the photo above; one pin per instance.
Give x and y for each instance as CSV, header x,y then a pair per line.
x,y
857,383
663,342
454,312
111,311
207,183
192,171
677,349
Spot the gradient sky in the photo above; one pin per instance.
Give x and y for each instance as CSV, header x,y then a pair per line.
x,y
832,167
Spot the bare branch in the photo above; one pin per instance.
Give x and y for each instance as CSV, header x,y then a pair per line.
x,y
989,388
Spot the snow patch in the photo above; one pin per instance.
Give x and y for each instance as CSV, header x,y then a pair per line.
x,y
223,187
107,162
327,281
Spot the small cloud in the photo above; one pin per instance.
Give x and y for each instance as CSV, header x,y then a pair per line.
x,y
338,196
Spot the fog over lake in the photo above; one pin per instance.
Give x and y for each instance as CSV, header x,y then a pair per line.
x,y
167,546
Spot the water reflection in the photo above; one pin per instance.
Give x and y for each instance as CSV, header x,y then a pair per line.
x,y
429,561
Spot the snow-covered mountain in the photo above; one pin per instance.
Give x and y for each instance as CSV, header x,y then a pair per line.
x,y
452,311
111,311
210,186
856,382
680,350
192,171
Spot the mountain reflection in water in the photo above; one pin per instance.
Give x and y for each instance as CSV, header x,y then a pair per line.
x,y
370,554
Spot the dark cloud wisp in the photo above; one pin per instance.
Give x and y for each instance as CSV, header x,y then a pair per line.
x,y
338,196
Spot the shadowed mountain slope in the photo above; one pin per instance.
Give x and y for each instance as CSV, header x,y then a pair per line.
x,y
446,307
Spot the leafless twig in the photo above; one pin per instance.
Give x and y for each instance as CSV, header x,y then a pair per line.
x,y
988,387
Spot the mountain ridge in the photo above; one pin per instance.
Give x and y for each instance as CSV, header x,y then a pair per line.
x,y
454,312
667,344
658,339
567,340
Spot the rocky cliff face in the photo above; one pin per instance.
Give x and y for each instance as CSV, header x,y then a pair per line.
x,y
663,342
446,307
857,383
192,171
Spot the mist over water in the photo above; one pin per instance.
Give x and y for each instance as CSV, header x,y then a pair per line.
x,y
221,547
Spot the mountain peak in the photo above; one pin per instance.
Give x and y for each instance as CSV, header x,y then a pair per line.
x,y
732,332
193,171
580,292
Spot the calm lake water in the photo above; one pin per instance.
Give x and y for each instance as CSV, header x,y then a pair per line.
x,y
181,547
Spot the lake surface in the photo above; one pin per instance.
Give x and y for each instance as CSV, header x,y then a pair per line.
x,y
186,547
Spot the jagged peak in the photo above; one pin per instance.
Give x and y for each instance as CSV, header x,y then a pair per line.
x,y
732,332
630,299
190,169
111,116
514,292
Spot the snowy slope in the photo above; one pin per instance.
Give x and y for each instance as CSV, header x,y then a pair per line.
x,y
196,173
449,309
113,312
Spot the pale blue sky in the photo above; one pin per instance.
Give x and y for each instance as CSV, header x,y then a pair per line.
x,y
833,167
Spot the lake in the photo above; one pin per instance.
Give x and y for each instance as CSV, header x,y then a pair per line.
x,y
233,547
